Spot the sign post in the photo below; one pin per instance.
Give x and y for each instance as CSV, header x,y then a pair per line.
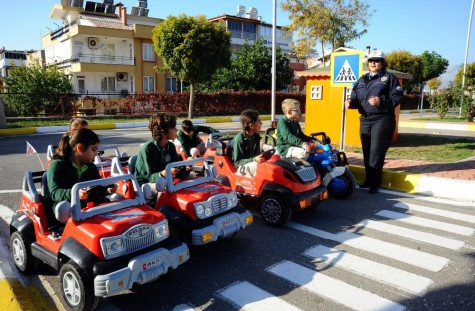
x,y
346,68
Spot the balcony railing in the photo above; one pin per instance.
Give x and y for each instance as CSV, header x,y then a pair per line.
x,y
103,59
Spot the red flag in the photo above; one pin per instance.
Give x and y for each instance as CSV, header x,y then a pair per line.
x,y
30,149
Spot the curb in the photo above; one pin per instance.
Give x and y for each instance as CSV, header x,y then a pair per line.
x,y
454,189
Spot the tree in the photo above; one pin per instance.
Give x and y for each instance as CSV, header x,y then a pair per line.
x,y
433,65
251,70
328,22
469,75
33,89
434,84
404,61
192,49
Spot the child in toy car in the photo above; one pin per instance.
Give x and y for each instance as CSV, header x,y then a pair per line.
x,y
72,163
191,144
246,149
291,141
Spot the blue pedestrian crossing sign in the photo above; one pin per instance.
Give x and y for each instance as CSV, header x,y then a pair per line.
x,y
346,68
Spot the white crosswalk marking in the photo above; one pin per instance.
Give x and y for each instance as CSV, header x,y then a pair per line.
x,y
435,211
250,297
419,221
335,290
409,282
412,234
404,254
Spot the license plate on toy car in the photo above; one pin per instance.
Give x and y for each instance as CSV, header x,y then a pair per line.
x,y
150,264
229,222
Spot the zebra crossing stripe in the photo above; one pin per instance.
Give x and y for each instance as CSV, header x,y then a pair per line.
x,y
250,297
412,234
338,291
424,222
401,253
435,211
406,281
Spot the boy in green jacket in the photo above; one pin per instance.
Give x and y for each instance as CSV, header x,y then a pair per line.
x,y
247,144
291,141
192,145
155,154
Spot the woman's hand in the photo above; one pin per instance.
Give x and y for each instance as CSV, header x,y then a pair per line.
x,y
374,101
259,159
347,103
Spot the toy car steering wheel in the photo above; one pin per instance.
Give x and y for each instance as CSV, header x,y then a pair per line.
x,y
266,155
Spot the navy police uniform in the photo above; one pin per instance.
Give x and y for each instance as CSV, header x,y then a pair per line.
x,y
377,123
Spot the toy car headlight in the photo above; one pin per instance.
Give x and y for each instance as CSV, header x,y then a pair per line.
x,y
232,199
208,211
161,231
200,210
113,247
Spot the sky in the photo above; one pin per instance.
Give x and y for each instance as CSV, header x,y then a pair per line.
x,y
410,25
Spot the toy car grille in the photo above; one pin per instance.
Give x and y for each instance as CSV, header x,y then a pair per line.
x,y
220,204
132,245
307,174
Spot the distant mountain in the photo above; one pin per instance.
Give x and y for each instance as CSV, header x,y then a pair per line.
x,y
449,75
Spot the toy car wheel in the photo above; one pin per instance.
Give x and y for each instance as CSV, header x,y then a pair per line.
x,y
21,253
342,186
77,290
275,210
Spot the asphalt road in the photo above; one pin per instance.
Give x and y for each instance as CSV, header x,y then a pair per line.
x,y
369,252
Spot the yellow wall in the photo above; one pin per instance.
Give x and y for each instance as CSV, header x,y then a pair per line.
x,y
325,115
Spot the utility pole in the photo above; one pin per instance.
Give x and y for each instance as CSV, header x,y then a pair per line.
x,y
466,54
274,27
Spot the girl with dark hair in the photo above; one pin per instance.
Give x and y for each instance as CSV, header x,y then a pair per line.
x,y
73,163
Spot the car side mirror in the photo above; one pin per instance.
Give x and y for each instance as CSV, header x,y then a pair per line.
x,y
214,171
161,184
62,211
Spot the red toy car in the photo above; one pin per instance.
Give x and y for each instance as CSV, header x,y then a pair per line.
x,y
199,208
98,250
281,185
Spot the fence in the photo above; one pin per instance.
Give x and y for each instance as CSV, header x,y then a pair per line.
x,y
66,105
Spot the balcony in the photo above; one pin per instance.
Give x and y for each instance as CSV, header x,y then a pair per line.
x,y
103,59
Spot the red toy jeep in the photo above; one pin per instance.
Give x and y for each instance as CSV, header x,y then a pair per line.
x,y
281,185
199,208
98,250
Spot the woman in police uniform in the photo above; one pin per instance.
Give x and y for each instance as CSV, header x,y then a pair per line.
x,y
376,95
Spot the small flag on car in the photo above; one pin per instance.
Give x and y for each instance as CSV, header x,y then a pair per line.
x,y
30,149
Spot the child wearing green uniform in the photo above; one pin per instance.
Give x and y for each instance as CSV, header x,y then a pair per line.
x,y
192,145
155,154
291,141
72,163
246,144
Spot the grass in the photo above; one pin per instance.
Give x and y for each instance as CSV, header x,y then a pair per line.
x,y
428,148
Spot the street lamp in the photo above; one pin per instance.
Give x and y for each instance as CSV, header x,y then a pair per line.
x,y
466,54
273,69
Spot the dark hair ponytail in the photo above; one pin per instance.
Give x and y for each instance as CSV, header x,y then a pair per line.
x,y
67,144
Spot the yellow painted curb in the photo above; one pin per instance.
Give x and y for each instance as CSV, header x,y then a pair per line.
x,y
218,120
471,127
104,126
18,131
14,297
391,179
412,124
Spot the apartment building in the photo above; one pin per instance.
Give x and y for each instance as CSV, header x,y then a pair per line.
x,y
11,58
250,26
105,49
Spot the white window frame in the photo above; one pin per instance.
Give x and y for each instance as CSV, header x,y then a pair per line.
x,y
148,53
108,84
83,80
148,84
316,92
